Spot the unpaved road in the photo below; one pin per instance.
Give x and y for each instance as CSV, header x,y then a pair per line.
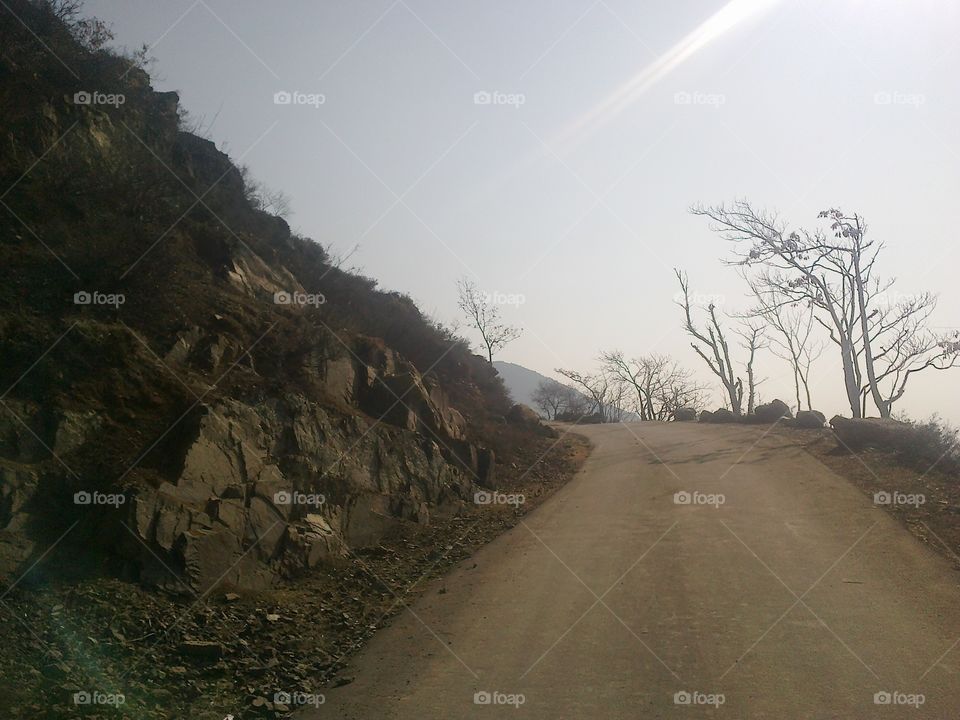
x,y
795,598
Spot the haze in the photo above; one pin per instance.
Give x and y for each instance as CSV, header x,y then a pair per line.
x,y
607,120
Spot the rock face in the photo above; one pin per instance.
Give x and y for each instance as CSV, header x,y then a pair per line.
x,y
810,419
685,415
250,493
271,489
869,432
772,411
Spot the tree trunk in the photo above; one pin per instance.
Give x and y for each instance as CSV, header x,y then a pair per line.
x,y
882,405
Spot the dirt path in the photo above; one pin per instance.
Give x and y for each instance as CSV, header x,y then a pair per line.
x,y
794,598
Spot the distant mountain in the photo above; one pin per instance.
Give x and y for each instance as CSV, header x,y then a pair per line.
x,y
520,381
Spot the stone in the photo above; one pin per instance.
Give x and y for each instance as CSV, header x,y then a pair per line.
x,y
685,415
870,432
772,411
810,419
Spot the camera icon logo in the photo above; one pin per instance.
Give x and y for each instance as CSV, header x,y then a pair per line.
x,y
283,497
82,298
882,498
482,698
682,98
682,697
681,498
482,497
81,698
282,98
482,98
882,698
883,98
282,698
282,298
82,498
82,98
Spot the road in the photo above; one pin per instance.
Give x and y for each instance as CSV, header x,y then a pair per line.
x,y
791,596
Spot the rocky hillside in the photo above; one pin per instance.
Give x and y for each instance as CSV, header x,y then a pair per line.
x,y
192,392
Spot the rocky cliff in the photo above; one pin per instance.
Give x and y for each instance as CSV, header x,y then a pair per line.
x,y
191,391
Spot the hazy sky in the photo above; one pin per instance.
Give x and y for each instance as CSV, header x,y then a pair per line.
x,y
607,120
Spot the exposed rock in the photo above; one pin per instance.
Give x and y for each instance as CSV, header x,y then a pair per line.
x,y
685,415
811,419
772,411
230,506
74,428
720,415
521,414
872,432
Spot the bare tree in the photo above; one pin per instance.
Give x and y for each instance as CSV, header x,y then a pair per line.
x,y
791,338
618,399
485,316
752,334
712,346
660,385
597,388
550,398
833,270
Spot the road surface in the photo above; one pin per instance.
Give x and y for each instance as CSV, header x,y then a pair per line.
x,y
790,596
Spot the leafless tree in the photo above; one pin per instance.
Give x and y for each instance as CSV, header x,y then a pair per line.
x,y
485,316
660,384
833,269
791,338
712,346
549,397
753,336
618,400
596,387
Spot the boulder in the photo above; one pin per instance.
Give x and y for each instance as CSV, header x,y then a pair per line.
x,y
523,415
720,415
772,411
870,432
685,415
810,419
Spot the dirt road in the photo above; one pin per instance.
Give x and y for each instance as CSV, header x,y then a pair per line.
x,y
777,591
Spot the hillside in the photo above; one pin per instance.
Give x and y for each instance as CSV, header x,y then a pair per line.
x,y
519,381
195,397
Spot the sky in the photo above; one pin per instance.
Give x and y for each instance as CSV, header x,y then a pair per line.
x,y
550,150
